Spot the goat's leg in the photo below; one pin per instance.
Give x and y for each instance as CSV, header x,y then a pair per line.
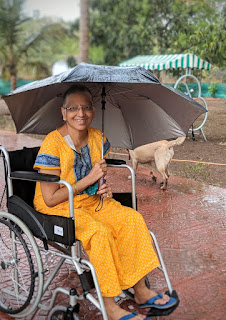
x,y
152,175
167,171
164,179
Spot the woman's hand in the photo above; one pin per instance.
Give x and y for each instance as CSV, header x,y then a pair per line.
x,y
105,192
98,171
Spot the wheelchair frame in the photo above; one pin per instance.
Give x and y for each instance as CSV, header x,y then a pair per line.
x,y
82,266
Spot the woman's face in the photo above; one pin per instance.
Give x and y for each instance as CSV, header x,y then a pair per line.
x,y
78,119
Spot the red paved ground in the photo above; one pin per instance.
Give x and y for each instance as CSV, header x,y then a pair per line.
x,y
189,222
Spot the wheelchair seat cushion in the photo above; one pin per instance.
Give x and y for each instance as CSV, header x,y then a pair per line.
x,y
49,227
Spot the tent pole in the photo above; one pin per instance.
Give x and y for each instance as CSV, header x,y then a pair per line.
x,y
187,71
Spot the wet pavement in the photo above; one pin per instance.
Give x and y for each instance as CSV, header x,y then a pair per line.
x,y
189,222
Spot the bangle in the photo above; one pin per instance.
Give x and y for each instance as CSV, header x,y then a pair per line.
x,y
76,191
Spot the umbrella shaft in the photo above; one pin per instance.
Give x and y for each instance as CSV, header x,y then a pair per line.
x,y
103,102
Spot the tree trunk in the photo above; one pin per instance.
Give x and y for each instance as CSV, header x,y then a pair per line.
x,y
13,81
12,68
84,31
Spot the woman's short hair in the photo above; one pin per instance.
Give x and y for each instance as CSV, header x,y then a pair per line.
x,y
75,89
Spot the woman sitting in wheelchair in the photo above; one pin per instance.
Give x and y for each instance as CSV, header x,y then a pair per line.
x,y
115,237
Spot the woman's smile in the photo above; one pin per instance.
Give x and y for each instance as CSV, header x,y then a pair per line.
x,y
81,121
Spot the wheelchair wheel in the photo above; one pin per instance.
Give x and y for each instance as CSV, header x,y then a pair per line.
x,y
17,275
61,313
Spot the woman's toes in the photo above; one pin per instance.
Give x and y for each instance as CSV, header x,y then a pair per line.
x,y
166,297
163,300
160,301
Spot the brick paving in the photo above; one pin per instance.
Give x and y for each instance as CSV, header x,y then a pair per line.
x,y
189,222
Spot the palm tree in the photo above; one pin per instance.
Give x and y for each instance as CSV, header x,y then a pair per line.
x,y
11,21
17,41
84,31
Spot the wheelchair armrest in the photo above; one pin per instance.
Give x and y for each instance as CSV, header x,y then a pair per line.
x,y
34,176
115,161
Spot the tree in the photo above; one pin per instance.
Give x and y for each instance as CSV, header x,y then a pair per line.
x,y
19,44
128,28
209,41
122,28
84,31
10,25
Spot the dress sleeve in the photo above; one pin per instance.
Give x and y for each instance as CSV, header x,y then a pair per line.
x,y
49,154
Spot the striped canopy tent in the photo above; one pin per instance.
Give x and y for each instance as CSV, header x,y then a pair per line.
x,y
167,61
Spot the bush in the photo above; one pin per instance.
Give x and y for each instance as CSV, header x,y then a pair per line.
x,y
212,88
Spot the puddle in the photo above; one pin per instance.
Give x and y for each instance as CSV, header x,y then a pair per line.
x,y
187,187
215,199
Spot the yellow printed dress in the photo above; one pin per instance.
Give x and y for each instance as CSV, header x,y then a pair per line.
x,y
116,237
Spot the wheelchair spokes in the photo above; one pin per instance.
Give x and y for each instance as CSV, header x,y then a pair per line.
x,y
17,275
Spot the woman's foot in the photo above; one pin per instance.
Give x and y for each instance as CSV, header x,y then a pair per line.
x,y
143,297
114,312
143,294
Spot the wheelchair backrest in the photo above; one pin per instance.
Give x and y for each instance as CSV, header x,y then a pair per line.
x,y
23,160
43,226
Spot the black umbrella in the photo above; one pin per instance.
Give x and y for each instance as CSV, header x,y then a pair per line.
x,y
139,109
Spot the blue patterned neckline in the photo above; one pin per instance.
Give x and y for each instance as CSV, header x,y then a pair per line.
x,y
70,143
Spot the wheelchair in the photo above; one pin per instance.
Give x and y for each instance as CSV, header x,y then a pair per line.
x,y
35,246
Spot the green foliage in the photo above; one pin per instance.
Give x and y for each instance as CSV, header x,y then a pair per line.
x,y
121,28
71,62
208,41
197,171
118,30
27,45
129,27
212,88
180,87
96,54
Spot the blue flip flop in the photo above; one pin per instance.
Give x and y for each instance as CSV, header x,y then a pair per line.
x,y
131,315
150,303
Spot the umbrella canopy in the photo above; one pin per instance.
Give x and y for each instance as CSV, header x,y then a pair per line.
x,y
138,110
167,61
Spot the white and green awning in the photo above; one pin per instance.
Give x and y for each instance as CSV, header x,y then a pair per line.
x,y
166,62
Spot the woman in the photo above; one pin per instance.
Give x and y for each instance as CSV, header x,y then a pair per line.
x,y
115,237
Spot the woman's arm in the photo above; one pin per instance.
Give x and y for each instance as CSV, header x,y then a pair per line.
x,y
53,194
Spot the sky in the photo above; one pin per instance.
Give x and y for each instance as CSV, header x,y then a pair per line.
x,y
65,9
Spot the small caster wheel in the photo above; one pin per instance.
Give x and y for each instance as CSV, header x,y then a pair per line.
x,y
62,313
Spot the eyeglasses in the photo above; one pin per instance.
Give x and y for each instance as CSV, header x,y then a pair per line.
x,y
76,109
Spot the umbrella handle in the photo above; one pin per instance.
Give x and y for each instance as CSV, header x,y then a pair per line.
x,y
101,181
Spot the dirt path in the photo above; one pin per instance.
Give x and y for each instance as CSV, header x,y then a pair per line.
x,y
212,151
